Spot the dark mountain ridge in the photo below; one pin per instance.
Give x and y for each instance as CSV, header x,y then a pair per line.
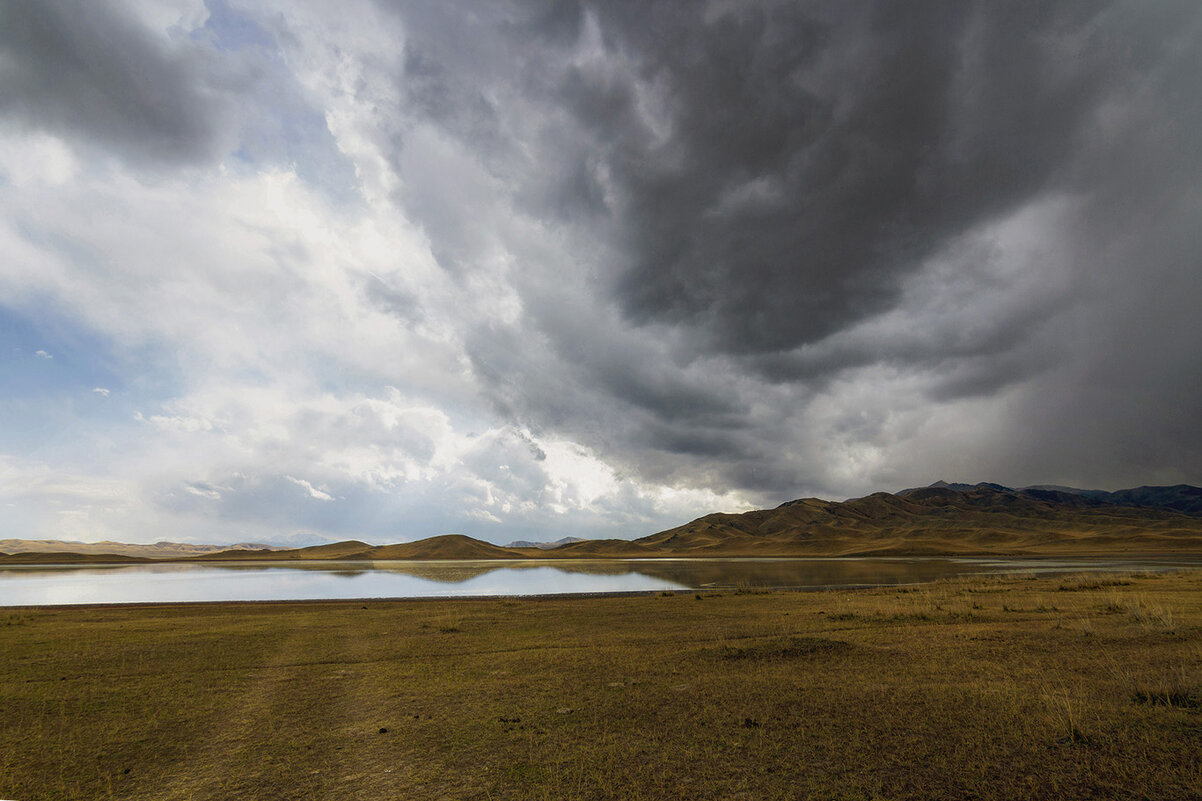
x,y
1182,498
555,544
940,519
948,518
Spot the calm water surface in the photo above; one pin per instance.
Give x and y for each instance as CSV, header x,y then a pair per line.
x,y
280,581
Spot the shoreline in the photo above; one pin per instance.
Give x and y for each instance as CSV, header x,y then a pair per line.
x,y
51,559
698,592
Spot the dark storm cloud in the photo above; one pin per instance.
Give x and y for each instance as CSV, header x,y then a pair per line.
x,y
87,72
813,158
815,162
960,198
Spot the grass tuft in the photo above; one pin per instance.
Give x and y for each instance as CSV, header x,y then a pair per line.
x,y
784,648
1093,581
1153,616
1178,697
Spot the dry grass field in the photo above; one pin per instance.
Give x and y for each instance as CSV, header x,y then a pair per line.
x,y
1014,687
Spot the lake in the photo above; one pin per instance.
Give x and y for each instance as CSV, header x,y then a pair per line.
x,y
45,585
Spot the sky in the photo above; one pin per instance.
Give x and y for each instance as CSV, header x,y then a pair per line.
x,y
299,271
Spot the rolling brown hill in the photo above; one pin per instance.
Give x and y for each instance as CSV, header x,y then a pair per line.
x,y
347,549
983,519
599,549
158,550
942,519
448,546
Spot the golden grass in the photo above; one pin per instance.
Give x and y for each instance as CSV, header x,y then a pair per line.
x,y
1008,687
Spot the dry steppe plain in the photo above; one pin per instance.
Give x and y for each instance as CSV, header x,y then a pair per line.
x,y
989,688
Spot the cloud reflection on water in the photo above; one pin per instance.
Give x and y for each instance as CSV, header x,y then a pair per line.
x,y
172,583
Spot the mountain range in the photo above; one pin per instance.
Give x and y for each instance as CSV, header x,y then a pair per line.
x,y
157,550
1179,497
956,519
939,519
555,544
